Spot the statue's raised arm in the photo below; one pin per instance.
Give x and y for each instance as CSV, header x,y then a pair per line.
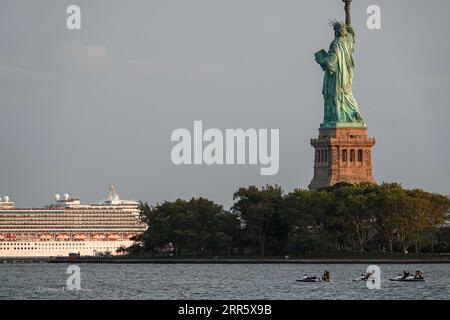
x,y
348,17
348,13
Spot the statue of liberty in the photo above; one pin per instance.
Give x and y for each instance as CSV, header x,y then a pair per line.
x,y
340,107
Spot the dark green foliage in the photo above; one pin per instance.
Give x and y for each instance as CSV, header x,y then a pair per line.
x,y
363,218
196,227
264,223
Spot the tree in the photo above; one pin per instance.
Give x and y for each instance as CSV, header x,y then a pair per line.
x,y
305,213
259,210
353,205
428,213
199,226
387,203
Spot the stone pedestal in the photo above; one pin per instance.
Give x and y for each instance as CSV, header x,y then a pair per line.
x,y
342,155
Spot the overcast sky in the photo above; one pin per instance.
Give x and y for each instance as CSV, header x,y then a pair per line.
x,y
82,109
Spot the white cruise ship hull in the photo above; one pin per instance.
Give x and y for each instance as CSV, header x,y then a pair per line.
x,y
39,249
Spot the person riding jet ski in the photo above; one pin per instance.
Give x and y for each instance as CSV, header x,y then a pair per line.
x,y
326,276
406,274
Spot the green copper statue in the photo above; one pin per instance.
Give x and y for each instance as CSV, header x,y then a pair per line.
x,y
340,108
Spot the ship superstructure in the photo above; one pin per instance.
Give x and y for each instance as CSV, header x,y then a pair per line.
x,y
68,226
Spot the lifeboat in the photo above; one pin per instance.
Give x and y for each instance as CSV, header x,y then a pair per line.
x,y
129,235
79,236
98,236
62,236
45,236
2,237
112,237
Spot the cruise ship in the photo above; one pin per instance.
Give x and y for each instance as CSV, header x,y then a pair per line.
x,y
69,227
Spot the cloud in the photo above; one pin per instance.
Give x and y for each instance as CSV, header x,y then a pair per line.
x,y
88,58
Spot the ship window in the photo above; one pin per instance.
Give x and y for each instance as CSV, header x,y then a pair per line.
x,y
352,155
360,155
344,155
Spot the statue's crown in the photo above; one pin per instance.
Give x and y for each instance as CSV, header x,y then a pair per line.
x,y
336,24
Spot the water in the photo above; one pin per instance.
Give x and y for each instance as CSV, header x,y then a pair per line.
x,y
215,281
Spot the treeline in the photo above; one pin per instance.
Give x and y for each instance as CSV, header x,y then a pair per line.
x,y
265,221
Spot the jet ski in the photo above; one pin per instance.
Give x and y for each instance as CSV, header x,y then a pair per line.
x,y
309,279
410,278
360,278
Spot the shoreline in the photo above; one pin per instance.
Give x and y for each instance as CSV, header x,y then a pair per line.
x,y
374,260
